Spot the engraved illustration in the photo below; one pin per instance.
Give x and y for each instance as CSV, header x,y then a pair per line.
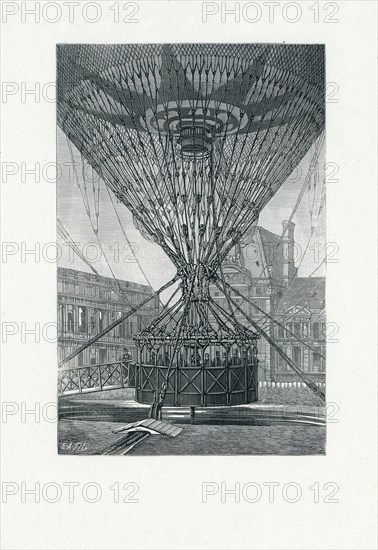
x,y
191,206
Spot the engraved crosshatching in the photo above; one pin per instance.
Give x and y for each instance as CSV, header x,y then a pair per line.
x,y
196,142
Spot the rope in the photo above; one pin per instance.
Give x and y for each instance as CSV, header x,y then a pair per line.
x,y
117,322
311,385
67,237
155,410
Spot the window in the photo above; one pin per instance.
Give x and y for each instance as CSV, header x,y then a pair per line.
x,y
103,355
281,332
322,359
297,329
315,331
280,361
255,311
112,318
70,318
289,353
80,290
82,326
297,356
92,290
60,318
92,321
289,330
121,326
316,359
104,294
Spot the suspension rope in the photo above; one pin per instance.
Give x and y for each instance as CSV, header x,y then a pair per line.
x,y
155,410
95,232
162,189
275,321
311,385
117,322
288,298
67,237
311,168
296,291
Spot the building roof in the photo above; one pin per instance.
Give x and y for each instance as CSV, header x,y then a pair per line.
x,y
306,292
268,252
83,276
272,248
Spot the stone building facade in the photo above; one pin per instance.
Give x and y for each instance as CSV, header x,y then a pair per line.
x,y
263,269
88,303
303,334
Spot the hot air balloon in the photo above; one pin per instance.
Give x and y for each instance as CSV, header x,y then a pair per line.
x,y
194,139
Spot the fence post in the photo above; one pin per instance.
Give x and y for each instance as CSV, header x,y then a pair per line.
x,y
79,379
176,379
246,382
99,376
121,373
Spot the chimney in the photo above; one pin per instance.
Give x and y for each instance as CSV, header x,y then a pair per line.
x,y
288,268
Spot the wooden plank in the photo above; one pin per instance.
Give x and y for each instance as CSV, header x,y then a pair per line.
x,y
174,431
162,427
159,426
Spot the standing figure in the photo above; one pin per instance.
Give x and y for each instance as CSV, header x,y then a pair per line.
x,y
126,358
235,358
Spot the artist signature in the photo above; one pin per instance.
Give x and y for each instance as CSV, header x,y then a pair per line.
x,y
73,446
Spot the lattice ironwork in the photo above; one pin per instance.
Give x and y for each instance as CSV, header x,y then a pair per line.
x,y
202,374
91,378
